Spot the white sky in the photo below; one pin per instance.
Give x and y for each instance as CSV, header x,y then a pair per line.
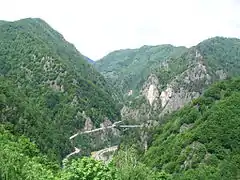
x,y
97,27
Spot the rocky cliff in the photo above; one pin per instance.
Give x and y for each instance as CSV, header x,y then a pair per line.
x,y
175,83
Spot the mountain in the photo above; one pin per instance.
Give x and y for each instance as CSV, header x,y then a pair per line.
x,y
2,22
158,80
201,141
186,137
128,69
48,91
88,60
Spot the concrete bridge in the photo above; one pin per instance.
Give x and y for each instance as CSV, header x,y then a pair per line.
x,y
114,125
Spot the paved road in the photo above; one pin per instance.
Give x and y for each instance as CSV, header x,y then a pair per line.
x,y
98,155
107,127
77,150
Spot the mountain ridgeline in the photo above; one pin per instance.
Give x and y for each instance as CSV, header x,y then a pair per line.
x,y
128,69
185,101
157,80
47,87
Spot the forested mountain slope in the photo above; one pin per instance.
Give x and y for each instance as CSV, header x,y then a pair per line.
x,y
128,69
201,141
48,92
21,160
167,77
47,88
89,60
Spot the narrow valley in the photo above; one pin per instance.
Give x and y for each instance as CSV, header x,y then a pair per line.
x,y
159,112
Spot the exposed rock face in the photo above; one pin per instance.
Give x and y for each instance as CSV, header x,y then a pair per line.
x,y
104,155
197,72
150,90
165,96
130,113
179,91
113,133
106,123
103,138
184,88
152,93
178,100
88,125
88,122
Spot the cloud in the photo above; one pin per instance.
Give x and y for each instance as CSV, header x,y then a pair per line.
x,y
98,27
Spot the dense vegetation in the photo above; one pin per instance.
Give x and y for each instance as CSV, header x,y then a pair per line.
x,y
128,69
201,141
47,89
221,54
20,159
46,85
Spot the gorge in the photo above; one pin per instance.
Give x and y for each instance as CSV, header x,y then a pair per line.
x,y
166,112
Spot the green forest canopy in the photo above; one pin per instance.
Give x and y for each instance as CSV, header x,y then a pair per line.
x,y
46,85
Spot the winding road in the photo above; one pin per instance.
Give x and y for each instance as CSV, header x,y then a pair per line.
x,y
98,154
107,127
77,150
